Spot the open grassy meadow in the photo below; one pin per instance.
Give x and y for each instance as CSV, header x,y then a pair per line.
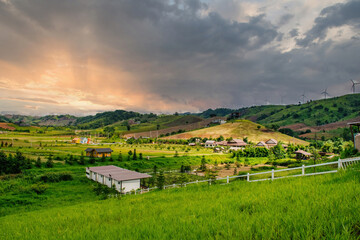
x,y
320,207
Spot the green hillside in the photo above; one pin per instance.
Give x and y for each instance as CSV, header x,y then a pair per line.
x,y
313,113
317,207
239,129
157,123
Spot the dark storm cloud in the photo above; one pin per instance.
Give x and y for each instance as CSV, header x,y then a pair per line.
x,y
178,52
334,16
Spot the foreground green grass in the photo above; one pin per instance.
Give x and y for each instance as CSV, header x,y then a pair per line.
x,y
319,207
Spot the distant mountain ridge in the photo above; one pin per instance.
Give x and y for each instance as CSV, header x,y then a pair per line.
x,y
313,113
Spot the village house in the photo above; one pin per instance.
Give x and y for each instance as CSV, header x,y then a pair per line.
x,y
98,152
124,180
221,143
210,144
302,155
261,144
236,143
271,143
218,121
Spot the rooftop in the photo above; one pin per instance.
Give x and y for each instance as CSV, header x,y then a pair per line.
x,y
303,152
117,173
99,150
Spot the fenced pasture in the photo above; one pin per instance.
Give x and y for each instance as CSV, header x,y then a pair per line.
x,y
314,207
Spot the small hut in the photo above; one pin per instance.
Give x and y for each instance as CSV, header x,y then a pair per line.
x,y
302,155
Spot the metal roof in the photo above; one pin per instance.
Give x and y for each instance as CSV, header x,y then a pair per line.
x,y
99,150
117,173
303,152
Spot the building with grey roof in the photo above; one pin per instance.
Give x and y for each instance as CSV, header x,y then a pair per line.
x,y
124,180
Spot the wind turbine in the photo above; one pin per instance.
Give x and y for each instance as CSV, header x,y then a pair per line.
x,y
353,85
303,97
325,93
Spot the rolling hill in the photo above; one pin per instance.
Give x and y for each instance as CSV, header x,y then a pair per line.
x,y
312,113
239,129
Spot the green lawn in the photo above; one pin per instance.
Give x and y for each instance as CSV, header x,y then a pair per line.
x,y
317,207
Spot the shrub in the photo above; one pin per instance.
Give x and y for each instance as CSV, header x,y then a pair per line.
x,y
56,177
39,188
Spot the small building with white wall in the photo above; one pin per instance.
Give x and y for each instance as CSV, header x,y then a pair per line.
x,y
210,144
124,180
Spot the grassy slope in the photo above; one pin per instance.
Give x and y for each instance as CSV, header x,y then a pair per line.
x,y
319,207
163,122
239,129
313,113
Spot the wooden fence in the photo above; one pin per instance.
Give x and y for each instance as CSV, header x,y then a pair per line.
x,y
269,175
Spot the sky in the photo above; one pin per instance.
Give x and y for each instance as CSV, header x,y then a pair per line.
x,y
81,57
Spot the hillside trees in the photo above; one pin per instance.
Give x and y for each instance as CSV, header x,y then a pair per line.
x,y
13,164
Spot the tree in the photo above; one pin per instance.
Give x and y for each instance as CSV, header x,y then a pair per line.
x,y
49,163
92,159
140,156
134,155
278,151
82,159
38,163
220,138
120,159
3,162
18,163
316,155
160,181
235,171
176,154
203,163
183,179
103,159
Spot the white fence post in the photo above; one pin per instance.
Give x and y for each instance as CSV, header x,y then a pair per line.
x,y
303,170
339,163
174,185
248,177
272,174
197,181
227,179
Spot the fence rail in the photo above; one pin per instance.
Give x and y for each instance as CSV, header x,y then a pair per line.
x,y
341,164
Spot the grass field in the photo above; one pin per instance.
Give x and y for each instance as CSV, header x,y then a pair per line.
x,y
320,207
239,129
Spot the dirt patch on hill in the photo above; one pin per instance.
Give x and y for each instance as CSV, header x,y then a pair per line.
x,y
6,126
299,127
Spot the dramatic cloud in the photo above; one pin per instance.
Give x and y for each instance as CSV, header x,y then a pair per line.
x,y
333,16
164,56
